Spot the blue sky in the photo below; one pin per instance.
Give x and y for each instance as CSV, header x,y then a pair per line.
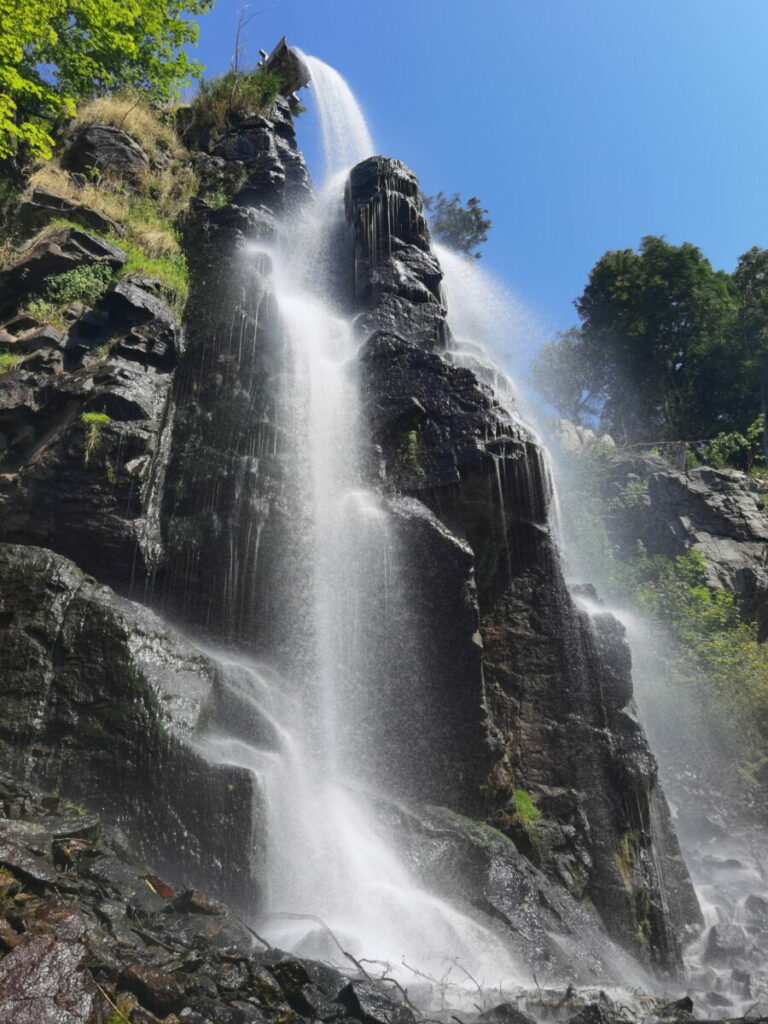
x,y
581,124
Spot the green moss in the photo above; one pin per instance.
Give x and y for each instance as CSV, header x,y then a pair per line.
x,y
526,810
408,449
9,361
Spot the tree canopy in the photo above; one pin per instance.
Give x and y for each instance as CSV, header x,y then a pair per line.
x,y
56,52
461,227
664,346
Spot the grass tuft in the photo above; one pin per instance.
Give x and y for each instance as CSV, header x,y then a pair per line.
x,y
134,116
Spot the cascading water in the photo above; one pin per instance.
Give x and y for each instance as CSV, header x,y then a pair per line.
x,y
727,870
329,873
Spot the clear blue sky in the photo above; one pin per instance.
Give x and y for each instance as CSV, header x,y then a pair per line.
x,y
581,124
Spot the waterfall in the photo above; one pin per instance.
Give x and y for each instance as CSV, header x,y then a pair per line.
x,y
329,873
344,132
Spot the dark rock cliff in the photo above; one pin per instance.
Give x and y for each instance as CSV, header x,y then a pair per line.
x,y
227,496
565,767
523,715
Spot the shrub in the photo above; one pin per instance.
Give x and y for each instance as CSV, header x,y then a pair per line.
x,y
85,284
169,269
221,100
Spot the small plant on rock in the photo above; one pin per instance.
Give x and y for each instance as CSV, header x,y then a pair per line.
x,y
9,361
85,284
93,423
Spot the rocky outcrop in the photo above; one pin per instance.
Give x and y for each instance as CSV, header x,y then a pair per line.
x,y
85,422
102,701
62,250
45,205
717,512
567,770
102,150
88,934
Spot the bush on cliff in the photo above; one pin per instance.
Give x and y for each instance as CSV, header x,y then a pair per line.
x,y
220,101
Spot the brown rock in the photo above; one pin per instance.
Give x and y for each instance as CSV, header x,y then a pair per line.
x,y
155,991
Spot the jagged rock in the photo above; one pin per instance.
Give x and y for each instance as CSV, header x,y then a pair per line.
x,y
74,491
551,690
153,988
109,151
44,982
60,251
594,1013
285,62
712,511
101,698
44,205
366,1002
45,337
148,330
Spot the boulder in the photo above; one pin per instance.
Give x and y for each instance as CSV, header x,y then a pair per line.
x,y
45,205
107,151
724,943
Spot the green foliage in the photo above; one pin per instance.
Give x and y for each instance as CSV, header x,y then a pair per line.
x,y
731,448
93,423
86,283
220,101
55,52
632,496
460,227
526,810
46,312
170,270
217,197
9,361
408,448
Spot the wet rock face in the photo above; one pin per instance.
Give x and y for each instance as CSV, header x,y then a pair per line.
x,y
102,700
84,429
226,500
557,752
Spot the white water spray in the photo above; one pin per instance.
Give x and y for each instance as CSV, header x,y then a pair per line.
x,y
332,875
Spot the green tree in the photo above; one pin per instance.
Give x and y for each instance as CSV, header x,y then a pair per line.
x,y
56,52
750,282
657,329
562,374
460,227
